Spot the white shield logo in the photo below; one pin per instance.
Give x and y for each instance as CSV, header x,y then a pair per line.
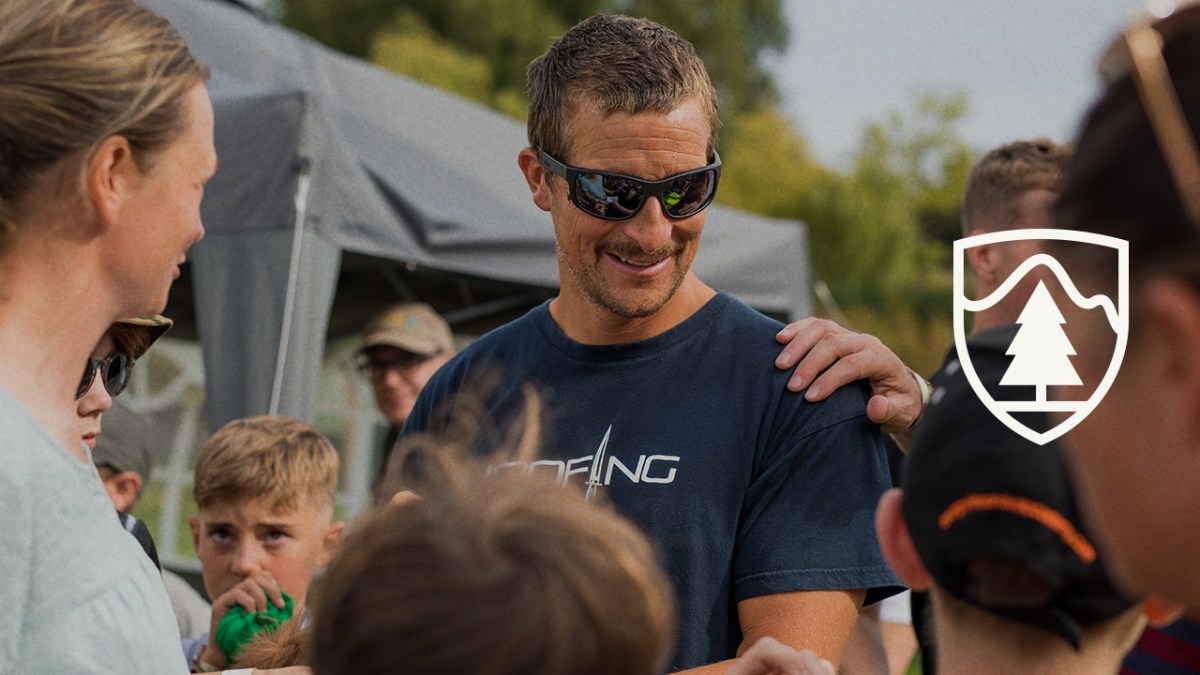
x,y
1041,348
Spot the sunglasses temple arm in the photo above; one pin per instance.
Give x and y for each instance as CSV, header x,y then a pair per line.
x,y
1170,127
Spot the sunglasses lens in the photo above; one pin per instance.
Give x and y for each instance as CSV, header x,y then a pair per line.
x,y
89,373
116,373
690,193
607,196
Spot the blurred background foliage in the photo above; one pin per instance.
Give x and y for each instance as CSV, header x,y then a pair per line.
x,y
880,227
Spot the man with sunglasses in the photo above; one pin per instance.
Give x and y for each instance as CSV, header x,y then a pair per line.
x,y
122,468
660,392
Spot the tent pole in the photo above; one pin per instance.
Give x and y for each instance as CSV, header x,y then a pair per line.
x,y
303,180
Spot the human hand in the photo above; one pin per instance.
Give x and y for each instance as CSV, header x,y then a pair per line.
x,y
252,594
403,498
768,656
815,345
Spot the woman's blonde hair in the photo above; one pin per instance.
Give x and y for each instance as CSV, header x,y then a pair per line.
x,y
75,72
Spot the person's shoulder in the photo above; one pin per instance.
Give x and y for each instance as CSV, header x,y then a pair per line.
x,y
499,345
731,315
31,456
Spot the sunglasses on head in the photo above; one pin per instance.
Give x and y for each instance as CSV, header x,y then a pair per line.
x,y
1139,52
615,196
114,373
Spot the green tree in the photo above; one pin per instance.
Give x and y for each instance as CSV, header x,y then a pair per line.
x,y
879,232
732,36
347,25
767,167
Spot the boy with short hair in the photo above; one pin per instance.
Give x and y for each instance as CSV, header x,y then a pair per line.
x,y
988,521
265,489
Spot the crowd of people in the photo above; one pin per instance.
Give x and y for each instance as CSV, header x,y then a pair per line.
x,y
641,475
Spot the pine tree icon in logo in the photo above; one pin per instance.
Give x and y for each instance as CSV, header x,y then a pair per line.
x,y
1041,349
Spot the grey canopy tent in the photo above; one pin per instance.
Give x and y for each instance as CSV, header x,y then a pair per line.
x,y
343,188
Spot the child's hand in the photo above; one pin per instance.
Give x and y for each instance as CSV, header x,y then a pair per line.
x,y
769,657
252,593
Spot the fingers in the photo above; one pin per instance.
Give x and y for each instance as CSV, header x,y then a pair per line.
x,y
844,359
403,498
800,336
252,594
815,347
879,411
828,356
770,657
267,584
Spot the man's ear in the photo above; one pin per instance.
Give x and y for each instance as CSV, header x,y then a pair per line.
x,y
536,176
109,178
124,489
983,261
333,538
895,542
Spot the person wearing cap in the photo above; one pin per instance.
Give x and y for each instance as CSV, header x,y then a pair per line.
x,y
987,521
108,369
402,347
124,464
122,456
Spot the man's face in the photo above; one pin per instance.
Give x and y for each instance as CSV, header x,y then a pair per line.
x,y
397,377
633,267
236,540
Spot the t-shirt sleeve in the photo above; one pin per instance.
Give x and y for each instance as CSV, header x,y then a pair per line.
x,y
15,565
808,517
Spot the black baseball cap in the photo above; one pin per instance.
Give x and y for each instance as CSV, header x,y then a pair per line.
x,y
976,490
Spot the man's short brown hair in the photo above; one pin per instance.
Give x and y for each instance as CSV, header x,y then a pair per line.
x,y
281,459
614,64
999,179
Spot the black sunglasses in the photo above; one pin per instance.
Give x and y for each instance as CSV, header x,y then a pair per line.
x,y
377,368
114,372
615,196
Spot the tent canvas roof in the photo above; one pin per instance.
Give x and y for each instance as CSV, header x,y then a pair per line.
x,y
342,188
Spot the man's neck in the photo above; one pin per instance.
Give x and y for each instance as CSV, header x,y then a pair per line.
x,y
989,652
588,323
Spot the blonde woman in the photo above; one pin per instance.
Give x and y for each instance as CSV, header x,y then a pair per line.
x,y
106,141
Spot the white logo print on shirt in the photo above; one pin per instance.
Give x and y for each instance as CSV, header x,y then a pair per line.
x,y
601,466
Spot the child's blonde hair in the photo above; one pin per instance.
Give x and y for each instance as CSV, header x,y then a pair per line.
x,y
281,459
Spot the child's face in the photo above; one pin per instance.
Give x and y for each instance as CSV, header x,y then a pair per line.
x,y
238,539
96,401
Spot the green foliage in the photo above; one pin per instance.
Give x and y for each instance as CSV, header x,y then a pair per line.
x,y
345,25
506,35
731,36
409,47
880,234
766,165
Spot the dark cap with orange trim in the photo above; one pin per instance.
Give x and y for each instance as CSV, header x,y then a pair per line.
x,y
993,515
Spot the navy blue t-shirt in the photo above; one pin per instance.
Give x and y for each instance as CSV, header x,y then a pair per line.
x,y
744,487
